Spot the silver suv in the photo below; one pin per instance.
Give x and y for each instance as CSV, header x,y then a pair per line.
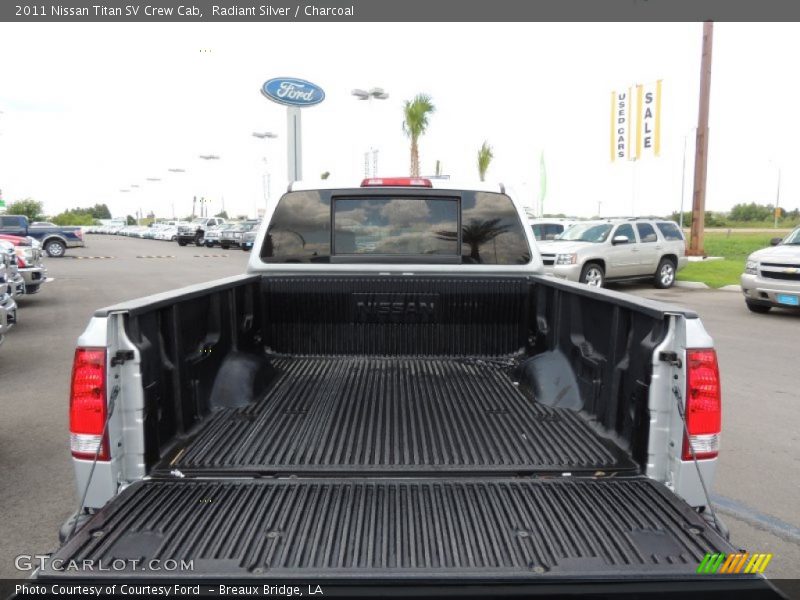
x,y
594,252
772,275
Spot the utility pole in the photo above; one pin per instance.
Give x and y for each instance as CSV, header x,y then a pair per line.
x,y
701,147
683,182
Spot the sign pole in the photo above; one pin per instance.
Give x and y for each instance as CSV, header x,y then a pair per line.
x,y
294,94
294,144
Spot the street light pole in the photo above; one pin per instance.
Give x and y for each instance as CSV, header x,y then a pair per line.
x,y
172,199
265,179
375,93
777,199
202,198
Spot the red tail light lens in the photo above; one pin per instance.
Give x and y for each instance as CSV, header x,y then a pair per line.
x,y
703,404
87,404
397,182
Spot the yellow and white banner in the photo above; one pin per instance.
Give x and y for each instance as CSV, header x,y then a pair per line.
x,y
620,124
636,122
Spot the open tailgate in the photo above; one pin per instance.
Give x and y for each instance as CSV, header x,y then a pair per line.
x,y
398,529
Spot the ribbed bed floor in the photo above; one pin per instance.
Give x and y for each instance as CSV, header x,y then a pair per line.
x,y
395,414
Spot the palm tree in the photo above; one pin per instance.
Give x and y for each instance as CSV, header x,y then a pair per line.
x,y
485,156
416,114
475,234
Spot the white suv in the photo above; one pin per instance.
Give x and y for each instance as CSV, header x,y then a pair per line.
x,y
594,252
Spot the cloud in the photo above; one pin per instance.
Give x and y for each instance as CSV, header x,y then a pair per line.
x,y
406,213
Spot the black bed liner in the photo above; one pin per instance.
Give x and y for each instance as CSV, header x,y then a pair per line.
x,y
400,528
388,415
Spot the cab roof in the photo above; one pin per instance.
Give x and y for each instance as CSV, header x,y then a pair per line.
x,y
398,182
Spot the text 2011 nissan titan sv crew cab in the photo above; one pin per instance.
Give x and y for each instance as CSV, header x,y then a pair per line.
x,y
393,396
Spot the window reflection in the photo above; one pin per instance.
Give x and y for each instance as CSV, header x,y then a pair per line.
x,y
491,231
300,229
397,226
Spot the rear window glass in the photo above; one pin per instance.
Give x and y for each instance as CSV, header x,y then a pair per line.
x,y
300,230
491,231
488,231
670,231
395,226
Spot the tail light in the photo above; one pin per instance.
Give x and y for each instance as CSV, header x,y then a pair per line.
x,y
21,261
703,404
79,233
87,404
397,182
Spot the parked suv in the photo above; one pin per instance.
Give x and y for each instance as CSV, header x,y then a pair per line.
x,y
594,252
195,232
772,275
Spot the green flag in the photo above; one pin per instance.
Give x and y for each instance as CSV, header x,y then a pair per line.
x,y
542,184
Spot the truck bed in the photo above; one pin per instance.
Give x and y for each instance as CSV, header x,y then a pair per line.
x,y
457,529
390,415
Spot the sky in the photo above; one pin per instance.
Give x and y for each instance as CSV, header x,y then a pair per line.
x,y
89,109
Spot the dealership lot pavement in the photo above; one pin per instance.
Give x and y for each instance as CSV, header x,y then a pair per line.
x,y
758,479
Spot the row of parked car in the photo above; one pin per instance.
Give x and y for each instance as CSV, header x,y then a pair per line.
x,y
22,273
208,232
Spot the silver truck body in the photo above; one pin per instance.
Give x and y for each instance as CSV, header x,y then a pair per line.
x,y
667,390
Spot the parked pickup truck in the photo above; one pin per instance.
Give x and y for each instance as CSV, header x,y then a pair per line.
x,y
235,235
55,240
8,307
31,270
393,396
195,232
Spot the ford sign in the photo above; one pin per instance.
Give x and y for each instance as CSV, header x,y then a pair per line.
x,y
293,92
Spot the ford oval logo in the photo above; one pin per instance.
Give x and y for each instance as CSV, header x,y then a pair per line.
x,y
292,92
